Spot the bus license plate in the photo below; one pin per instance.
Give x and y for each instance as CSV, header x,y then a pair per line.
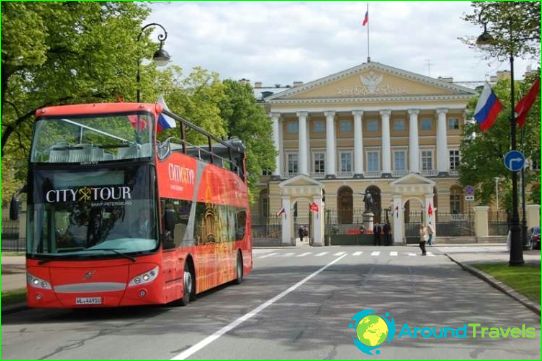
x,y
88,300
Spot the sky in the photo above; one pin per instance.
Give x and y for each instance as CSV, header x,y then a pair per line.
x,y
283,42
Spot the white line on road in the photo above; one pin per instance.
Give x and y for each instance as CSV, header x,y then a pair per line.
x,y
289,254
375,253
392,253
430,254
206,341
358,253
412,254
321,254
303,254
339,253
268,255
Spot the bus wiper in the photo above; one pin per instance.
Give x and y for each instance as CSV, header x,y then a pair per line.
x,y
112,250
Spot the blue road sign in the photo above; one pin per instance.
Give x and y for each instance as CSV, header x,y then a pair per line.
x,y
469,190
514,160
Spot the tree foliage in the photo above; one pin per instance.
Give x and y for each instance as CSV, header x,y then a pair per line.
x,y
247,120
482,153
513,25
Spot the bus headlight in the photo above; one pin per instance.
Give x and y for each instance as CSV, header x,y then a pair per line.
x,y
37,282
144,278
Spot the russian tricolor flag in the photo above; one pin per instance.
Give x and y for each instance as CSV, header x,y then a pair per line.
x,y
164,122
487,109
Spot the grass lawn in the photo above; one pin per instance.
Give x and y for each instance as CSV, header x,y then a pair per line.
x,y
13,296
524,279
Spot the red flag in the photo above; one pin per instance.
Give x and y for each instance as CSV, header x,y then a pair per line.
x,y
430,210
313,207
366,18
523,106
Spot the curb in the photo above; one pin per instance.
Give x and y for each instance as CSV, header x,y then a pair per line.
x,y
492,281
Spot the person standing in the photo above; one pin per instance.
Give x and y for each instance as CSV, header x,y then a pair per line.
x,y
386,230
301,233
377,231
430,232
424,236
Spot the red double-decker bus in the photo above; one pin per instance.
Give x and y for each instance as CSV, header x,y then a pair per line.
x,y
117,218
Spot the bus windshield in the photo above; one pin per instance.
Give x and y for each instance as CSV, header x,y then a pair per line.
x,y
92,139
87,213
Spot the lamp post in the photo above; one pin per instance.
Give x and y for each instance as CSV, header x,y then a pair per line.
x,y
516,248
160,57
497,193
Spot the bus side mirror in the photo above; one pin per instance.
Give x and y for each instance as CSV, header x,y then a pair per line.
x,y
170,219
14,208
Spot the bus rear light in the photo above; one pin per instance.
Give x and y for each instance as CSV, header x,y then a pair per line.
x,y
144,278
37,282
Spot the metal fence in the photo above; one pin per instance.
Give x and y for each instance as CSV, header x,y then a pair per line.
x,y
454,225
11,239
266,230
498,223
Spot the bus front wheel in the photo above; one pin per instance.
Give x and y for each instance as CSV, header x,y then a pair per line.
x,y
188,286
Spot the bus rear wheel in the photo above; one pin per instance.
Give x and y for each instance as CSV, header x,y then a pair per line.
x,y
239,269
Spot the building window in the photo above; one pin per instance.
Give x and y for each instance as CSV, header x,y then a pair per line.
x,y
319,163
373,161
346,162
427,159
318,126
292,163
453,123
427,124
292,127
399,125
454,159
399,160
267,172
345,126
455,200
372,125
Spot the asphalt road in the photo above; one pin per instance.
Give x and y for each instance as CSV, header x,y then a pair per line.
x,y
297,304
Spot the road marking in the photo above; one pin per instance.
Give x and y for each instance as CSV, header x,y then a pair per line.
x,y
268,255
289,254
339,253
392,253
358,253
430,254
375,253
321,254
206,341
303,254
412,254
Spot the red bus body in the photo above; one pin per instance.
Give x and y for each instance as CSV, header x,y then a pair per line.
x,y
105,281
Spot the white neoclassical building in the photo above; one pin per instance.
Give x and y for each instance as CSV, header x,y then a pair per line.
x,y
371,128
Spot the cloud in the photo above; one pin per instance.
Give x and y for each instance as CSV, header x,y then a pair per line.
x,y
279,42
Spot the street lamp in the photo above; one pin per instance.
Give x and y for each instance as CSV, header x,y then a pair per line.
x,y
497,192
516,248
160,57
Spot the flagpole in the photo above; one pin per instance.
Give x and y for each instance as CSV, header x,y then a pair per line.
x,y
368,26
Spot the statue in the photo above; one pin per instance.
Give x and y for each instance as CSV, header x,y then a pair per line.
x,y
368,200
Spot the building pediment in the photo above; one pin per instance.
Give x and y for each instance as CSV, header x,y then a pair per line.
x,y
300,180
374,81
411,179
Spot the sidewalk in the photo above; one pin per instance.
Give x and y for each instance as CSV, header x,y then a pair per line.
x,y
13,273
467,260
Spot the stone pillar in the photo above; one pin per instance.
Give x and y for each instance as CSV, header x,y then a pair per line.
x,y
358,144
413,143
330,145
533,215
386,144
481,228
286,220
397,224
318,223
302,153
443,163
275,120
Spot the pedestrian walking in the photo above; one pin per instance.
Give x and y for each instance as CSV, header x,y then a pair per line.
x,y
430,232
301,233
377,229
424,236
386,230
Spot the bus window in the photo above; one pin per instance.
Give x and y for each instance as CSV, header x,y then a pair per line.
x,y
240,224
175,221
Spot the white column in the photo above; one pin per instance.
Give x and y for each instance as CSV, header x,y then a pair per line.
x,y
358,143
386,143
286,220
413,145
397,220
275,119
317,223
330,144
302,154
442,142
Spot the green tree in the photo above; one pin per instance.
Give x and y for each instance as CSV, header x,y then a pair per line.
x,y
248,121
482,153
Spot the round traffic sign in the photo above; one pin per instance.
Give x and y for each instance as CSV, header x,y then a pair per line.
x,y
469,190
514,160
